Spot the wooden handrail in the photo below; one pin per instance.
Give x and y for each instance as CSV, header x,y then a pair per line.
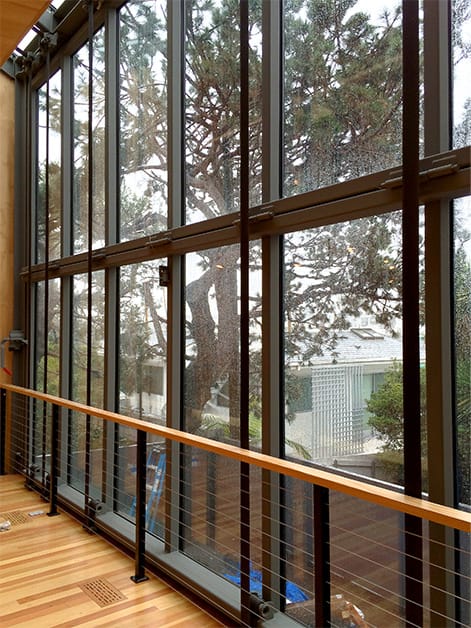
x,y
378,495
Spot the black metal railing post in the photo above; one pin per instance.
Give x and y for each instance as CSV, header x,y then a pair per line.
x,y
54,465
3,429
141,472
412,454
321,556
89,514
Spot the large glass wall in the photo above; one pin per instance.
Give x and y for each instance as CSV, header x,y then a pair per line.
x,y
144,131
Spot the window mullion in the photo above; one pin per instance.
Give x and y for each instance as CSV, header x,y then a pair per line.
x,y
413,568
437,118
112,313
175,136
271,304
111,121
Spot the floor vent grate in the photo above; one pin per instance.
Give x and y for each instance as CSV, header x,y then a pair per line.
x,y
15,517
102,592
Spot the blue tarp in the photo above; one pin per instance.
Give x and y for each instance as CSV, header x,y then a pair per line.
x,y
293,592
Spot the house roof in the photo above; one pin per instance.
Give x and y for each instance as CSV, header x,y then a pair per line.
x,y
354,346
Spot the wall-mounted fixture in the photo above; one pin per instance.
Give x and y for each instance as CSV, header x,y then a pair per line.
x,y
16,341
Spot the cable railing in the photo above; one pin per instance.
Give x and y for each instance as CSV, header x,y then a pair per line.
x,y
324,549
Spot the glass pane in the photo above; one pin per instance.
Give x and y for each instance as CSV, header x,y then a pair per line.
x,y
79,335
211,491
343,92
211,376
211,397
45,368
77,422
143,342
366,559
143,118
212,93
49,169
210,512
38,422
79,338
39,337
255,347
462,349
142,384
81,363
256,95
461,42
47,340
343,346
81,148
42,176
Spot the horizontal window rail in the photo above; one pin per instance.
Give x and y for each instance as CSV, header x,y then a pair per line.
x,y
321,545
369,195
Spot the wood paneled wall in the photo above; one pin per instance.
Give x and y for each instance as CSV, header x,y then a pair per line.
x,y
7,170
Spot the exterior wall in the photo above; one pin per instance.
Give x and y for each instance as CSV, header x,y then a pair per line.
x,y
332,420
7,130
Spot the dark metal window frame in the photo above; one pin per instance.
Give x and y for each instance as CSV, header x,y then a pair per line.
x,y
441,176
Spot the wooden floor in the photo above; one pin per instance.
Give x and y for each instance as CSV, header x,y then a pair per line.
x,y
53,573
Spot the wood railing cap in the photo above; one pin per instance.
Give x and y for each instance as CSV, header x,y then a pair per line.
x,y
379,495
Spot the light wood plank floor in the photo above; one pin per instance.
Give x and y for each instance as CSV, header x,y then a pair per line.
x,y
47,565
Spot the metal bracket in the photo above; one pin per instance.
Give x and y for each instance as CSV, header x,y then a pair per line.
x,y
159,239
48,42
16,341
164,276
